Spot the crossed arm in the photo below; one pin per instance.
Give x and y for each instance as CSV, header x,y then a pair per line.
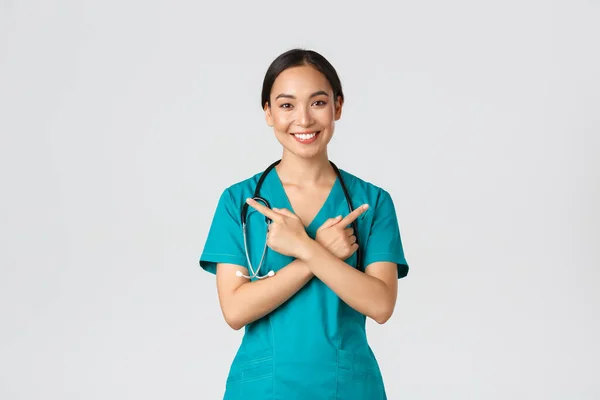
x,y
372,293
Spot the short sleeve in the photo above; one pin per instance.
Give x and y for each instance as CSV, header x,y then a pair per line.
x,y
384,243
225,241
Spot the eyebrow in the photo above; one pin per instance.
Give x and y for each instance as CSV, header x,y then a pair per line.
x,y
289,96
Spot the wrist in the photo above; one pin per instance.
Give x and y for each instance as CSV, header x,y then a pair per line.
x,y
307,249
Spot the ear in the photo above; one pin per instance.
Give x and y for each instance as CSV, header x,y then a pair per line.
x,y
338,108
268,116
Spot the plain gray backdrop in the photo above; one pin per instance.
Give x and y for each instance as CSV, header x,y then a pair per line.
x,y
122,122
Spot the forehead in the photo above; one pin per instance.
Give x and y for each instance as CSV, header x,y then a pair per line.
x,y
300,80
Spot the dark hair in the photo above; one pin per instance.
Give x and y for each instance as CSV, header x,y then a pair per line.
x,y
295,58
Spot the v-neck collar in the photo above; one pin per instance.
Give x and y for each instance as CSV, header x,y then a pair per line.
x,y
282,200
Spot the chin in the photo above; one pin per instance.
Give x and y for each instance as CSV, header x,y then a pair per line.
x,y
307,153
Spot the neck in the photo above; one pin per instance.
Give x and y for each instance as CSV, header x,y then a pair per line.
x,y
304,171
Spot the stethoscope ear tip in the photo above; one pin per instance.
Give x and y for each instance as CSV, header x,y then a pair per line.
x,y
238,273
271,273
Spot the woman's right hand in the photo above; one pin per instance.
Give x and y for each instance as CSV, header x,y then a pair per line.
x,y
335,237
286,233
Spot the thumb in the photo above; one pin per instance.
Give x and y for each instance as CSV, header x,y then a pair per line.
x,y
331,222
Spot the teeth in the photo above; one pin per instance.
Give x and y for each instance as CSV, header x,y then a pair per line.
x,y
305,136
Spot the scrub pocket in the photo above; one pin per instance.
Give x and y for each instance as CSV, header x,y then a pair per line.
x,y
359,377
250,380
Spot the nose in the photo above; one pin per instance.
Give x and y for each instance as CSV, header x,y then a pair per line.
x,y
304,116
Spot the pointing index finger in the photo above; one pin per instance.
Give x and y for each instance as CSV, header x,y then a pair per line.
x,y
267,212
348,219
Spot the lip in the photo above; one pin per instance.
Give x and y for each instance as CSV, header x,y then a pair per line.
x,y
304,133
306,141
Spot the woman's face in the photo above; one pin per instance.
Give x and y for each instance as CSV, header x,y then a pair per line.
x,y
303,111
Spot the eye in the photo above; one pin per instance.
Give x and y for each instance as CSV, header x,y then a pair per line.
x,y
319,103
285,105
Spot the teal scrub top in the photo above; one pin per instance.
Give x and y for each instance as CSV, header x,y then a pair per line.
x,y
313,346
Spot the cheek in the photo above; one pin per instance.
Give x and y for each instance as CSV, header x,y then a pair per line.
x,y
327,116
281,120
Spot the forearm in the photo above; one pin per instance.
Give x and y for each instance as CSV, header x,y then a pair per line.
x,y
254,300
364,293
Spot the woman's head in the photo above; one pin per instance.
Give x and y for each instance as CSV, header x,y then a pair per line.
x,y
296,58
302,98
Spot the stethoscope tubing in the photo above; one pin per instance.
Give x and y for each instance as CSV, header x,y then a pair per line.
x,y
256,197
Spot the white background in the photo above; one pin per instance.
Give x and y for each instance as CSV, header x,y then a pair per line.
x,y
122,121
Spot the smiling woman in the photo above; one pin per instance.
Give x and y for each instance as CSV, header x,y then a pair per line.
x,y
304,324
301,111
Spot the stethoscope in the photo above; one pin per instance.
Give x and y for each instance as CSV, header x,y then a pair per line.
x,y
256,197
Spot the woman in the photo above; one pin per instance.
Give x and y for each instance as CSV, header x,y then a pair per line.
x,y
305,321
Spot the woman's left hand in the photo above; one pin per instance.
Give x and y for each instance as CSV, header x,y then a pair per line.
x,y
287,234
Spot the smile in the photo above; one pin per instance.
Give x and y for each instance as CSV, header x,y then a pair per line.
x,y
306,137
